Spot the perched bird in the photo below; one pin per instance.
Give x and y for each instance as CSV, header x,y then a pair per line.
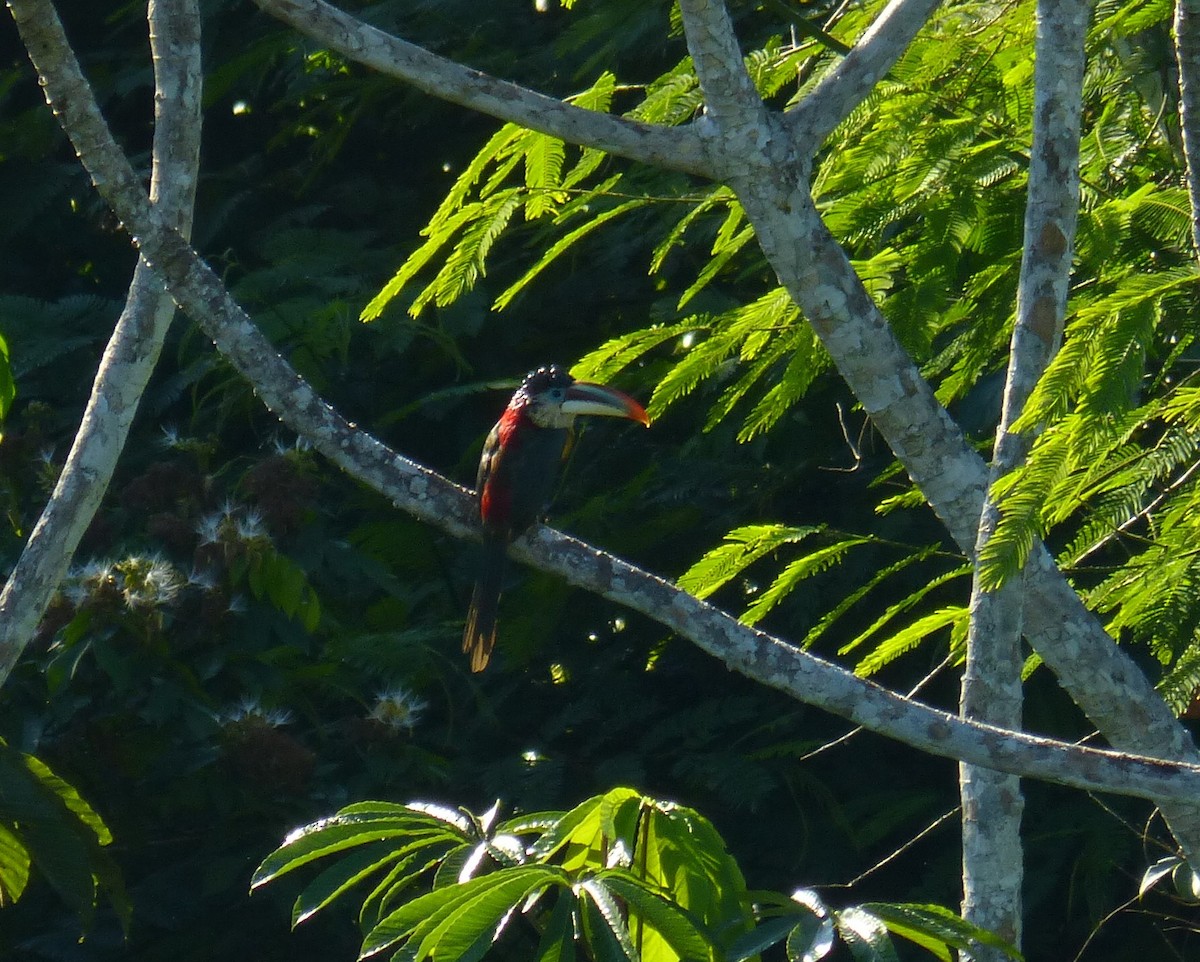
x,y
516,477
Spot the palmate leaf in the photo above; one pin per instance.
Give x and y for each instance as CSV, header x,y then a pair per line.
x,y
865,936
395,883
603,924
935,928
342,876
810,938
354,826
557,943
768,933
14,867
419,918
48,825
475,922
681,853
682,935
580,827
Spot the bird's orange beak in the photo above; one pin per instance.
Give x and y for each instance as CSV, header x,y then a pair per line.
x,y
584,397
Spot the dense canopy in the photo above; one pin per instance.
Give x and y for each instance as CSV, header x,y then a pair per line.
x,y
249,639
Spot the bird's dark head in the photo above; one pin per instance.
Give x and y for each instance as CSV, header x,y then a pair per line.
x,y
551,398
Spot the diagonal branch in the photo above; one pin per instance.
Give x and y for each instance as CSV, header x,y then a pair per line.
x,y
814,681
673,148
1100,677
851,79
134,347
431,497
731,100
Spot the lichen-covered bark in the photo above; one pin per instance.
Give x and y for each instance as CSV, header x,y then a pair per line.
x,y
817,272
1187,60
992,802
134,347
770,175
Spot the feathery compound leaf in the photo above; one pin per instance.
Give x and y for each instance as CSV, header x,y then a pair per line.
x,y
612,356
468,261
561,246
903,605
543,176
776,348
746,330
794,573
884,574
418,259
721,256
910,637
719,196
809,359
672,99
743,546
1180,685
1021,496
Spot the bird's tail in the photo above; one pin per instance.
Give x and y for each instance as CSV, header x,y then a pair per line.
x,y
479,638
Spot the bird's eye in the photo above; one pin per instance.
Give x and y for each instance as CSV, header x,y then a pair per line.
x,y
557,393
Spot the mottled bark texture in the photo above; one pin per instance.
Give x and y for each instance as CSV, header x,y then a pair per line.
x,y
136,341
769,171
992,802
1187,59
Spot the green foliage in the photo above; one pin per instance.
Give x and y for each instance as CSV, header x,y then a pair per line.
x,y
46,825
620,876
249,640
642,878
8,387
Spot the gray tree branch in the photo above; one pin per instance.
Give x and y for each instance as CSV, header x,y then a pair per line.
x,y
432,498
134,347
769,172
673,148
1187,59
854,76
992,802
